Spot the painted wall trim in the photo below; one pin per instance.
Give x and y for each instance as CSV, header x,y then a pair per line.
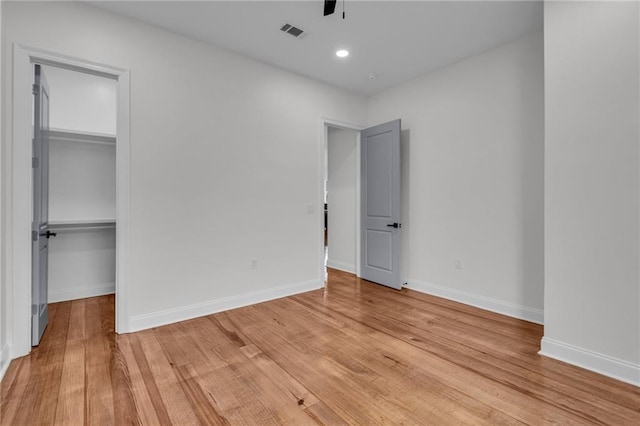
x,y
599,363
483,302
5,359
81,292
169,316
341,266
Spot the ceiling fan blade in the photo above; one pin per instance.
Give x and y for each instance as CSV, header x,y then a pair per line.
x,y
329,7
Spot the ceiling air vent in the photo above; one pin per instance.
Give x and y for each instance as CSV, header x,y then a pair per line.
x,y
293,30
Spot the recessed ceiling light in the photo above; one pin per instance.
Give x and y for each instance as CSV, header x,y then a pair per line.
x,y
373,76
342,53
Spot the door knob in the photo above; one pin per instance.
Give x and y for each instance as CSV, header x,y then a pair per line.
x,y
50,234
395,225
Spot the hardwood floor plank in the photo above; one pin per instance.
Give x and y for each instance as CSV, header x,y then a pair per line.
x,y
228,358
14,385
471,363
77,320
228,394
352,353
26,379
475,358
49,361
203,405
148,377
287,384
351,393
167,379
377,358
145,412
520,334
98,395
124,407
563,372
215,395
68,410
516,366
324,415
373,346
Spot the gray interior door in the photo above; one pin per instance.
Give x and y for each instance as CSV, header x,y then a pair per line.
x,y
40,225
380,238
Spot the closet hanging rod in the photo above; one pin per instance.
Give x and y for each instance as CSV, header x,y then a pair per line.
x,y
82,225
81,228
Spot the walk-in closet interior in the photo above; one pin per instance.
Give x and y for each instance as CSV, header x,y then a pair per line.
x,y
82,184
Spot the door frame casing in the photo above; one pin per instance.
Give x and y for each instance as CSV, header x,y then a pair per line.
x,y
325,123
18,224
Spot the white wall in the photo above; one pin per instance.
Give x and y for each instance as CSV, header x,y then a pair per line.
x,y
225,159
592,312
4,305
472,183
81,102
82,180
82,175
342,198
82,263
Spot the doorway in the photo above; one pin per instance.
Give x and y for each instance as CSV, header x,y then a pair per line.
x,y
341,194
78,190
378,202
19,242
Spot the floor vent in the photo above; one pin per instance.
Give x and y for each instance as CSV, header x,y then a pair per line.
x,y
293,30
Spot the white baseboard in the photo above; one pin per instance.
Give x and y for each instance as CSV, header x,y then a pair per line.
x,y
487,303
5,359
341,266
169,316
73,293
602,364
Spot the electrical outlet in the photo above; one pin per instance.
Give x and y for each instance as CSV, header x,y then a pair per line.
x,y
457,264
254,264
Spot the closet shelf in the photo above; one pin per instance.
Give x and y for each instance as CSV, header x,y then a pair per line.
x,y
66,225
81,137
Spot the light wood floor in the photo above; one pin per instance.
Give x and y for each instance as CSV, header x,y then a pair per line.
x,y
354,353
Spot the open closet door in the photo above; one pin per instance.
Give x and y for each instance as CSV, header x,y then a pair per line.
x,y
40,225
380,238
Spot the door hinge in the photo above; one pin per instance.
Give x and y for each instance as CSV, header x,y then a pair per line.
x,y
35,162
34,235
35,89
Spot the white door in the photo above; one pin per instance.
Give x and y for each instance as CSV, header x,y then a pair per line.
x,y
381,227
40,225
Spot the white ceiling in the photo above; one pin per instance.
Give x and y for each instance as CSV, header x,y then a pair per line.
x,y
395,40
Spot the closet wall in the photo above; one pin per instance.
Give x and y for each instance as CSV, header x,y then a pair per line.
x,y
82,185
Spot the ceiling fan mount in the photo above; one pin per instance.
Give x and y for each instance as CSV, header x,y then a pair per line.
x,y
330,7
